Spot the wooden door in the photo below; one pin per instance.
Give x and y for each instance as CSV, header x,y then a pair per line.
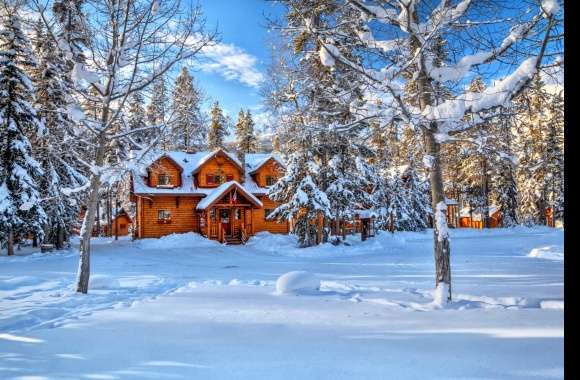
x,y
226,221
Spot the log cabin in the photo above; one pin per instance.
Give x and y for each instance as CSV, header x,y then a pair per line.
x,y
212,193
469,219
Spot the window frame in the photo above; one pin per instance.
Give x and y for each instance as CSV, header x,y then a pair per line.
x,y
164,176
271,178
164,219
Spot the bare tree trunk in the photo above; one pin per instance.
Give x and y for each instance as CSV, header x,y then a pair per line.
x,y
441,241
87,228
10,243
60,237
485,191
98,213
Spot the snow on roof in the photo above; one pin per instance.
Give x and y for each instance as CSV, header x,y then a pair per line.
x,y
190,163
465,212
450,201
221,189
366,214
255,161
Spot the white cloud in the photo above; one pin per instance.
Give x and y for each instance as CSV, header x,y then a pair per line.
x,y
232,63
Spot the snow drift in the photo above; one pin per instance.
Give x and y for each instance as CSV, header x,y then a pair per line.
x,y
297,282
551,252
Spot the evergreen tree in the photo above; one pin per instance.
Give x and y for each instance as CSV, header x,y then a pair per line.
x,y
217,128
187,124
59,165
300,198
21,211
73,35
246,141
137,120
157,110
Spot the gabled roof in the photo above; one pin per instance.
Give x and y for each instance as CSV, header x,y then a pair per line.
x,y
219,191
165,155
254,161
190,163
216,152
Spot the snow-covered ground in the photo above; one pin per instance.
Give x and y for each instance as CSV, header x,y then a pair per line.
x,y
183,307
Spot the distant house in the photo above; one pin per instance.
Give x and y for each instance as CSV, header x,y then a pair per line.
x,y
212,193
474,219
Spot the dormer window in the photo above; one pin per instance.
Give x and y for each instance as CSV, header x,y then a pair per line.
x,y
163,180
270,180
218,179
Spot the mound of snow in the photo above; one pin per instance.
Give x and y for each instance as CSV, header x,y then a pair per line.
x,y
186,240
297,282
551,252
99,281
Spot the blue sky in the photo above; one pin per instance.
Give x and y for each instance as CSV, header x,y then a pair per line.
x,y
237,65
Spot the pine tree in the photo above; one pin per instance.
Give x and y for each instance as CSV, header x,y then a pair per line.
x,y
217,128
73,31
157,110
137,120
300,198
187,124
21,211
59,165
246,141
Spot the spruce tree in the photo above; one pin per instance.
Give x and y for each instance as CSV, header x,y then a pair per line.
x,y
157,110
59,165
137,120
246,141
217,128
21,211
187,128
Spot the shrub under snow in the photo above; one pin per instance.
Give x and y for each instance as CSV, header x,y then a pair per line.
x,y
297,282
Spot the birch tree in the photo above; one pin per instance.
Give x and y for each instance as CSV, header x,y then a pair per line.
x,y
400,41
134,43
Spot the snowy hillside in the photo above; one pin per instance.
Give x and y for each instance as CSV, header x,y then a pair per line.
x,y
183,307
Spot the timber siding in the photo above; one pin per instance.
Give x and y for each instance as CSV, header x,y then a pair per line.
x,y
215,166
260,222
189,174
167,167
184,217
271,168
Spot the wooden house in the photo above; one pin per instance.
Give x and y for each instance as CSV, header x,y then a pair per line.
x,y
469,219
212,193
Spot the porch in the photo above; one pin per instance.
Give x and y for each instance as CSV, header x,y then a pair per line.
x,y
227,214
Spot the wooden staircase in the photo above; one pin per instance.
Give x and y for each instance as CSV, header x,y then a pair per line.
x,y
233,240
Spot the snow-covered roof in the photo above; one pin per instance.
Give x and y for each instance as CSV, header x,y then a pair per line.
x,y
465,212
366,214
190,163
223,188
255,161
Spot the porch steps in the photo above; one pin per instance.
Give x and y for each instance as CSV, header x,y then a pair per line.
x,y
234,240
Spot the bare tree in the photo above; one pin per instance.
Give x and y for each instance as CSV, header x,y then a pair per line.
x,y
133,43
418,56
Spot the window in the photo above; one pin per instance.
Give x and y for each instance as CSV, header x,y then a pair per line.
x,y
163,180
219,179
163,216
229,177
122,226
210,179
270,180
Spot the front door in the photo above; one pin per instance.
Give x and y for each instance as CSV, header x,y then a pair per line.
x,y
226,221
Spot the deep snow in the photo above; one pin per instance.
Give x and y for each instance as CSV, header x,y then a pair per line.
x,y
183,307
